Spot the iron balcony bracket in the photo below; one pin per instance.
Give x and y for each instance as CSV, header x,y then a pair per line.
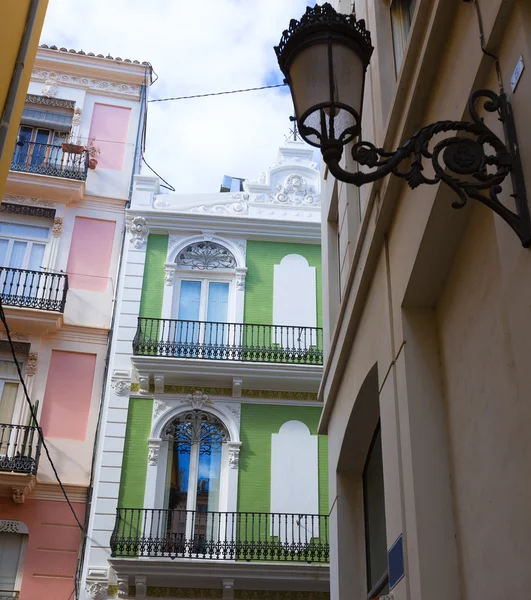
x,y
458,161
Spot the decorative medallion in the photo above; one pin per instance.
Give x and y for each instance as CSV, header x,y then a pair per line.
x,y
121,387
198,400
97,591
31,364
206,256
57,228
158,408
139,232
49,89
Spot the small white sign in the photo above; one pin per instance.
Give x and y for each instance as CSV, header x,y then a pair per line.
x,y
517,73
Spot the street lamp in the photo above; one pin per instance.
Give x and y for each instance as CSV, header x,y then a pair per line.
x,y
324,57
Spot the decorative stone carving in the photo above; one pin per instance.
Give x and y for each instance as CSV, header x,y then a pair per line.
x,y
139,232
234,454
159,384
173,242
242,245
123,587
120,89
169,273
158,408
141,587
294,191
28,200
49,89
57,228
239,208
198,400
161,202
235,411
76,119
121,387
19,495
241,273
97,590
7,526
31,364
143,383
153,451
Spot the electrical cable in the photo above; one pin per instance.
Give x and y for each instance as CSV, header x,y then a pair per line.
x,y
34,416
253,89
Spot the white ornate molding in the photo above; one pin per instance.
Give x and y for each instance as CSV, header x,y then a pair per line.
x,y
20,492
158,408
237,385
198,400
29,200
50,87
141,587
169,273
97,590
240,207
57,228
234,454
294,191
121,387
153,451
139,231
123,587
8,526
241,273
235,411
143,383
53,79
31,364
158,380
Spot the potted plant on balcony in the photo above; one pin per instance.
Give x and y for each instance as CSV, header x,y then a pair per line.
x,y
73,146
93,151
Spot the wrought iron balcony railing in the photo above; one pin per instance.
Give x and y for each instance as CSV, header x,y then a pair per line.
x,y
33,289
20,449
50,159
8,595
229,341
242,536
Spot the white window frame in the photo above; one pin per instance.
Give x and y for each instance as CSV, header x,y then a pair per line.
x,y
401,23
18,410
23,532
31,222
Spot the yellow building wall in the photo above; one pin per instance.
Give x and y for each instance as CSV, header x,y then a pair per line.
x,y
13,15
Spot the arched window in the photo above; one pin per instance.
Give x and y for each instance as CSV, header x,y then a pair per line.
x,y
206,256
194,461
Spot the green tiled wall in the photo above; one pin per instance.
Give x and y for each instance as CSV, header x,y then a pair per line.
x,y
153,282
258,422
261,259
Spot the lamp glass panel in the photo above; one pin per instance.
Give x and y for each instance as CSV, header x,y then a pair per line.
x,y
310,80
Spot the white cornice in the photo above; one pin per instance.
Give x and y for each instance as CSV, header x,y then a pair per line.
x,y
90,66
116,205
263,229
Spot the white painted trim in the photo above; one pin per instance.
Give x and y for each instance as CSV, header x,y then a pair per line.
x,y
10,526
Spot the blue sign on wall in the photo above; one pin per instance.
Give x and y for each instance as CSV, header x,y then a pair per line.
x,y
395,559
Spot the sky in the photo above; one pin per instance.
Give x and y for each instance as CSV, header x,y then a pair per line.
x,y
195,47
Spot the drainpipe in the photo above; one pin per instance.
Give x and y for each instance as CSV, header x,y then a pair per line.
x,y
17,73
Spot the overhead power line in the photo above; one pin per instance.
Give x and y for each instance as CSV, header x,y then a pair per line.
x,y
253,89
34,416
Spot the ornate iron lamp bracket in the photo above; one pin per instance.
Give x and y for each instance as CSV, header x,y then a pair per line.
x,y
458,161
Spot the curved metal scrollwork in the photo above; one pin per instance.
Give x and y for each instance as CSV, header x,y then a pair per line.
x,y
462,162
206,256
196,427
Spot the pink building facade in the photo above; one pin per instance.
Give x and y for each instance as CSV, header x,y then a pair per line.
x,y
62,222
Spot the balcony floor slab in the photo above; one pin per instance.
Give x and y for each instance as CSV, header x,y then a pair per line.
x,y
29,320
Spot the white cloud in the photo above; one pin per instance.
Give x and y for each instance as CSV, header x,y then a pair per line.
x,y
196,47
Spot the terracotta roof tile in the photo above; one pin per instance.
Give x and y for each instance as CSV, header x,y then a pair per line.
x,y
108,57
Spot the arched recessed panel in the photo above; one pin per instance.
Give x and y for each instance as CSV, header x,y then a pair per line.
x,y
206,256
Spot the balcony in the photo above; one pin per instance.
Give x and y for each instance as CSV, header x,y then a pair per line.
x,y
49,159
229,341
243,536
20,450
33,300
66,172
268,357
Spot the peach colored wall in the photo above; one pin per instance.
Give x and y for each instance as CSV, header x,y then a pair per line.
x,y
109,126
52,549
89,259
67,397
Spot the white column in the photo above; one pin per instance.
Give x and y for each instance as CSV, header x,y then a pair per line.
x,y
241,273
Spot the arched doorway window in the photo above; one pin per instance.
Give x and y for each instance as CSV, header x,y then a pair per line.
x,y
196,452
375,529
